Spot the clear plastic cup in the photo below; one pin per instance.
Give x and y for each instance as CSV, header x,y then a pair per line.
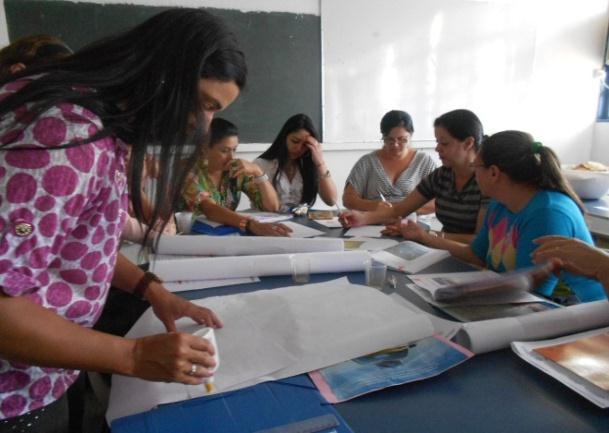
x,y
301,269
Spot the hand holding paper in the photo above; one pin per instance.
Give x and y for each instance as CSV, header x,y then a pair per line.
x,y
169,307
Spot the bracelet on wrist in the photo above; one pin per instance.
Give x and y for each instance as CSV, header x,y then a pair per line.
x,y
144,282
244,225
261,179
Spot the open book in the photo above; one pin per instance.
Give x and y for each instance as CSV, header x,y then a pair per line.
x,y
522,280
409,257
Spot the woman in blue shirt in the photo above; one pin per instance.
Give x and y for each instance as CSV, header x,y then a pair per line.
x,y
530,198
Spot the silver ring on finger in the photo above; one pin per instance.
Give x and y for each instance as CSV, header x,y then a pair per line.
x,y
193,369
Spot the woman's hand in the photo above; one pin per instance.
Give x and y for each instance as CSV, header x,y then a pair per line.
x,y
412,231
238,167
169,307
352,218
269,229
382,205
573,255
170,358
316,153
393,228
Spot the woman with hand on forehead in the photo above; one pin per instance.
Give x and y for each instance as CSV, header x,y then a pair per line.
x,y
386,176
295,164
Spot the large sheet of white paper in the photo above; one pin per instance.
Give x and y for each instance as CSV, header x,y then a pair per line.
x,y
526,351
207,268
488,335
198,245
273,334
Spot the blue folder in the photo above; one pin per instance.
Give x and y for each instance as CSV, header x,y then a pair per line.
x,y
291,405
203,228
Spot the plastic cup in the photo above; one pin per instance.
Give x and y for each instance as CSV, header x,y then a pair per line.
x,y
301,269
183,222
376,272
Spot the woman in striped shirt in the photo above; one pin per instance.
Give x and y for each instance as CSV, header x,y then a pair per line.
x,y
389,174
459,204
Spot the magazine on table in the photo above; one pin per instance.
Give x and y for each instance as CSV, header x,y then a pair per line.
x,y
409,256
580,361
490,285
417,361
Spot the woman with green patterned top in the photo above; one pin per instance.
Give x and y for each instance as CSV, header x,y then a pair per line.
x,y
214,185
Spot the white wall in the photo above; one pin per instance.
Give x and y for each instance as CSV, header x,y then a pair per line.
x,y
560,94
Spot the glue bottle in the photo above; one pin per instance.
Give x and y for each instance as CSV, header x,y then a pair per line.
x,y
209,335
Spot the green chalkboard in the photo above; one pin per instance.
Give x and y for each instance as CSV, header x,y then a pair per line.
x,y
283,52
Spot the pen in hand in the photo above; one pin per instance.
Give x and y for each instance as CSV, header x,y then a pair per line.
x,y
382,197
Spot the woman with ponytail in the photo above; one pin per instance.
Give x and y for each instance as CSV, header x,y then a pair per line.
x,y
530,199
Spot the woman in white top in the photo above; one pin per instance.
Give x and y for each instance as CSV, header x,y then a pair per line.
x,y
389,174
295,164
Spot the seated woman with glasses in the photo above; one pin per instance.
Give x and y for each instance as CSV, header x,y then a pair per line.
x,y
389,174
530,199
214,185
459,204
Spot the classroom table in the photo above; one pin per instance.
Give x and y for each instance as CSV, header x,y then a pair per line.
x,y
492,393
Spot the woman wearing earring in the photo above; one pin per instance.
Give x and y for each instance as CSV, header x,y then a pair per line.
x,y
388,175
295,164
214,186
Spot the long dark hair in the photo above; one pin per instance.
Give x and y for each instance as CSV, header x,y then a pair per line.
x,y
144,85
524,160
462,124
279,151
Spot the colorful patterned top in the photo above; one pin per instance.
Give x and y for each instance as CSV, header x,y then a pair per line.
x,y
227,194
62,211
505,241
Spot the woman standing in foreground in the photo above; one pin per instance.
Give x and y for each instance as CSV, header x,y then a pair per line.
x,y
63,141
